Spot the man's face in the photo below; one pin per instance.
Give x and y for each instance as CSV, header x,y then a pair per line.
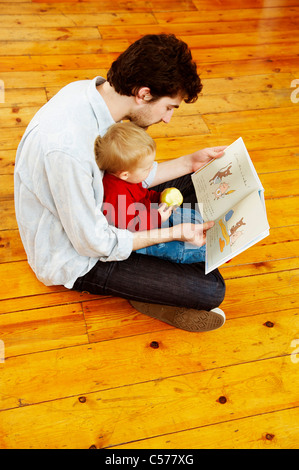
x,y
154,112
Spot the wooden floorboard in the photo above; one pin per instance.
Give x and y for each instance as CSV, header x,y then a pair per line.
x,y
77,370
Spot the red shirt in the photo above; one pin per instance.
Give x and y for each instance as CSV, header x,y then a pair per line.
x,y
128,205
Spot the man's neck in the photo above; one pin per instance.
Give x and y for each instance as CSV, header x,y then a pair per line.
x,y
118,105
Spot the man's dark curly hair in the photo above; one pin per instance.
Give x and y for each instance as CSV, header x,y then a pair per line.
x,y
161,62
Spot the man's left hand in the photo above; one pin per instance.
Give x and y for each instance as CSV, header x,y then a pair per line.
x,y
201,157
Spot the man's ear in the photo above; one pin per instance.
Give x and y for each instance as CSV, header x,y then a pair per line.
x,y
143,95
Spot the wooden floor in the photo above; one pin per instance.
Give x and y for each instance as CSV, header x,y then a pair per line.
x,y
80,371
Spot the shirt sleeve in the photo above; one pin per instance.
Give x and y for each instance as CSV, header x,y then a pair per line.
x,y
148,181
71,186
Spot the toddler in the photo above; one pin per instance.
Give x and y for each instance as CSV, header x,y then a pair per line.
x,y
126,154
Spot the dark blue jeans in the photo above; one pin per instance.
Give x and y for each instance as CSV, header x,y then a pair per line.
x,y
151,279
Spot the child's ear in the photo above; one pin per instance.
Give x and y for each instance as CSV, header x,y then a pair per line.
x,y
123,175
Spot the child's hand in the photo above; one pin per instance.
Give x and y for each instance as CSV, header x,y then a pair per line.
x,y
165,211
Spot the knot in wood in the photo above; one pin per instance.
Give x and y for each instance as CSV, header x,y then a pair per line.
x,y
222,400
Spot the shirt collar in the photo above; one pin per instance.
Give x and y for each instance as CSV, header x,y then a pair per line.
x,y
99,106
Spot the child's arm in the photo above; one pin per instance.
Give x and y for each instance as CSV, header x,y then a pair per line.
x,y
122,211
142,216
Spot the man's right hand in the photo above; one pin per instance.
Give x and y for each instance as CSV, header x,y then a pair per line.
x,y
192,233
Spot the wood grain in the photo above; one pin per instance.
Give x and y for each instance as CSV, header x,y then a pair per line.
x,y
79,370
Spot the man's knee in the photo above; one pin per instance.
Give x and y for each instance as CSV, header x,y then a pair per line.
x,y
220,289
213,294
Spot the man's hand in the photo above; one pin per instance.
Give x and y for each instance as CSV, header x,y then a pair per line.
x,y
201,157
193,233
171,169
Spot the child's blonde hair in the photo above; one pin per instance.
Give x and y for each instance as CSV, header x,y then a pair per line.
x,y
122,147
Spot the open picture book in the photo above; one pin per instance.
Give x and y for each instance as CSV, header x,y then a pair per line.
x,y
230,193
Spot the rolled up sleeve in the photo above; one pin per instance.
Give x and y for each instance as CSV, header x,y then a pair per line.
x,y
79,211
148,181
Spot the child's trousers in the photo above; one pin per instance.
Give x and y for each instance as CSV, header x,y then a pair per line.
x,y
178,251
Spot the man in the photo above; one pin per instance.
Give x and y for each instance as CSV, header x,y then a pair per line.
x,y
59,192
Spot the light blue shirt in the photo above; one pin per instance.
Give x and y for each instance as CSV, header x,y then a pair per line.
x,y
59,191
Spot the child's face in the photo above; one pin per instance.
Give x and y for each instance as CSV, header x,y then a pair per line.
x,y
140,173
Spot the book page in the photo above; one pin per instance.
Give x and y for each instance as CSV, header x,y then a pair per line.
x,y
225,181
236,230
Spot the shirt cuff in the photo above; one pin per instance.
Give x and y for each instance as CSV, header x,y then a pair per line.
x,y
124,246
147,183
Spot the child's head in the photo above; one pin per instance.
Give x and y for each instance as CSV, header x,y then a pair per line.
x,y
126,151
